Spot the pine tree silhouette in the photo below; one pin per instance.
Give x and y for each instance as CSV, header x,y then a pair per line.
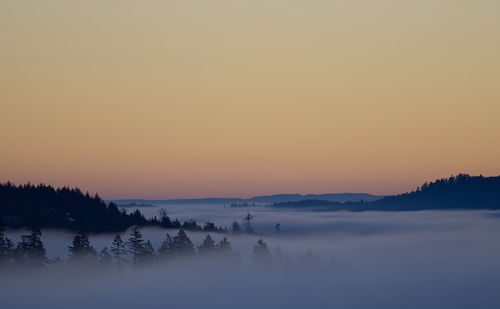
x,y
81,250
208,245
105,257
135,244
223,247
261,252
6,246
118,250
147,253
31,250
182,244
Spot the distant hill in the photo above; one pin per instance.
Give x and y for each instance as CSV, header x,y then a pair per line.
x,y
68,208
265,199
136,205
457,192
332,197
45,206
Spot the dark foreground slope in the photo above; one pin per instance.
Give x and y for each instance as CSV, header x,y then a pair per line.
x,y
457,192
44,206
64,208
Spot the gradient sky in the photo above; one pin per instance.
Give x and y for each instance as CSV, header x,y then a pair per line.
x,y
168,99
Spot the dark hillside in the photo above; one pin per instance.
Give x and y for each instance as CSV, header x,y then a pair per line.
x,y
457,192
44,206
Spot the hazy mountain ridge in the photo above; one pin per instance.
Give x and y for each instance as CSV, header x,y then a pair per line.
x,y
265,199
45,206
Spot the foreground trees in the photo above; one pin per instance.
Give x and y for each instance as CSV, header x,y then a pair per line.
x,y
179,245
30,250
118,250
81,250
135,244
6,246
208,245
262,255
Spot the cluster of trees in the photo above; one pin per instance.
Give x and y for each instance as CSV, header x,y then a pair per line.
x,y
462,191
30,250
456,192
247,228
245,204
46,207
164,221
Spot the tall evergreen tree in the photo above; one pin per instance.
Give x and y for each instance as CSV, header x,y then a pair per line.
x,y
208,245
118,250
148,252
31,249
261,252
248,223
167,247
223,246
81,249
165,219
235,228
183,244
6,246
105,257
135,244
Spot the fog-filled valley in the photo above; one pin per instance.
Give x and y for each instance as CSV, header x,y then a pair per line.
x,y
431,259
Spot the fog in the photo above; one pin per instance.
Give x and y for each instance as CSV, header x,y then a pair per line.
x,y
425,259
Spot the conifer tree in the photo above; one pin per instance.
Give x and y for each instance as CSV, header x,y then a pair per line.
x,y
167,247
6,246
135,244
223,246
208,245
235,228
118,250
165,219
105,257
182,245
261,252
147,254
31,249
81,249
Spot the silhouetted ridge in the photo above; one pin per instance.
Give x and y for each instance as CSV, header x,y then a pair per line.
x,y
456,192
65,208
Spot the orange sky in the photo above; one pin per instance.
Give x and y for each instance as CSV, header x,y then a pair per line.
x,y
168,99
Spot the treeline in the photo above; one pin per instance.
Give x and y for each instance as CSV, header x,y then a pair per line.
x,y
235,205
456,192
30,250
70,209
462,191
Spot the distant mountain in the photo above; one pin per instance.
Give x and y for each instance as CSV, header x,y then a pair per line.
x,y
457,192
264,199
332,197
212,200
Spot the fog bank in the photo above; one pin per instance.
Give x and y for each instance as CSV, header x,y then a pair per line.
x,y
430,259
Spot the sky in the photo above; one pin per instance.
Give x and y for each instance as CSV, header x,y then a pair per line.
x,y
172,99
